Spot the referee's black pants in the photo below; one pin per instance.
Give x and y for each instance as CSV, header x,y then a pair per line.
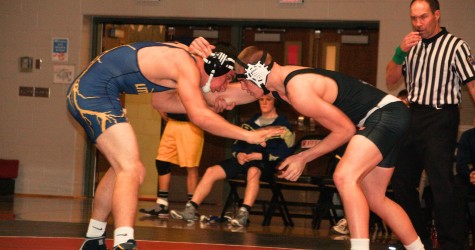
x,y
430,144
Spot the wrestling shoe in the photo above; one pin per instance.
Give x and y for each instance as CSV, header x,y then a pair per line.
x,y
188,214
94,243
396,246
341,227
241,218
129,245
159,210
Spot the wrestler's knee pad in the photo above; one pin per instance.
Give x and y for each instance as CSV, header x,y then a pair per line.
x,y
163,167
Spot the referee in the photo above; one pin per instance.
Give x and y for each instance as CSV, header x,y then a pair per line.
x,y
435,65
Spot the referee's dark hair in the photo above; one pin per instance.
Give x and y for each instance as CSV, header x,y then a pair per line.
x,y
434,4
403,93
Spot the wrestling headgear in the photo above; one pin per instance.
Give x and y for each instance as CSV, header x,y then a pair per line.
x,y
257,72
217,64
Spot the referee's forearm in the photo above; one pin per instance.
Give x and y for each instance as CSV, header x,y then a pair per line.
x,y
393,74
471,89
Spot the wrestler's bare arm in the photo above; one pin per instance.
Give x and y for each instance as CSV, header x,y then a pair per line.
x,y
189,91
167,101
309,102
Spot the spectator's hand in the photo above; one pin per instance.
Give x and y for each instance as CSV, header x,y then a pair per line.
x,y
291,168
260,136
220,105
201,47
410,40
472,177
282,135
240,157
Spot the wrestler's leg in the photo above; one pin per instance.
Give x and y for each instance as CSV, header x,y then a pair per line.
x,y
374,187
360,158
119,145
102,204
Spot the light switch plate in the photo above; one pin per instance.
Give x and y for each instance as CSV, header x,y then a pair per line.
x,y
26,64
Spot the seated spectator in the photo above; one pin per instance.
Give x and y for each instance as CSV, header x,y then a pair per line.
x,y
466,159
181,145
253,161
466,173
465,162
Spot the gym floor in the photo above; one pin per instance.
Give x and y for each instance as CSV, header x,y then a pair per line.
x,y
67,217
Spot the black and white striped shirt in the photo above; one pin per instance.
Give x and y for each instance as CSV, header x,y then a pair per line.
x,y
436,68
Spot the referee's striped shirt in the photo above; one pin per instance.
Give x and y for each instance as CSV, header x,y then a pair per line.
x,y
436,68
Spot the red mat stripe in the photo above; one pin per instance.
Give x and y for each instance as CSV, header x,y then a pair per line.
x,y
59,243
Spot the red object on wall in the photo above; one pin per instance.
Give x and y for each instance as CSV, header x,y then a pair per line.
x,y
293,54
9,169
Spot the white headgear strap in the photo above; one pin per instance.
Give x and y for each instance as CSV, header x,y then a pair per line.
x,y
257,72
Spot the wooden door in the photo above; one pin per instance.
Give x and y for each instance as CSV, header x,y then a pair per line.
x,y
356,52
277,42
333,49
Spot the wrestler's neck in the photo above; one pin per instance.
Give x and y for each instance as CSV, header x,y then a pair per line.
x,y
203,75
275,79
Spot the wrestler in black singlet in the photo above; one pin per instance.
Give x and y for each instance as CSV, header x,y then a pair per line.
x,y
384,117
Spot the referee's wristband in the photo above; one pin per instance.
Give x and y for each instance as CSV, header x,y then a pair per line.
x,y
399,56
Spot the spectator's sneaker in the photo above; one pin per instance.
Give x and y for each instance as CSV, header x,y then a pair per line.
x,y
339,237
341,227
129,245
159,210
95,243
241,218
188,214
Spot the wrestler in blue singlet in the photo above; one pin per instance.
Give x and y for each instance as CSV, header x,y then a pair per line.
x,y
380,117
93,98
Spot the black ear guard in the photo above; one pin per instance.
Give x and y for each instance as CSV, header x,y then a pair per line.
x,y
217,64
257,72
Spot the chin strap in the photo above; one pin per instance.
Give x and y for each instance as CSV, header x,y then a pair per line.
x,y
207,87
